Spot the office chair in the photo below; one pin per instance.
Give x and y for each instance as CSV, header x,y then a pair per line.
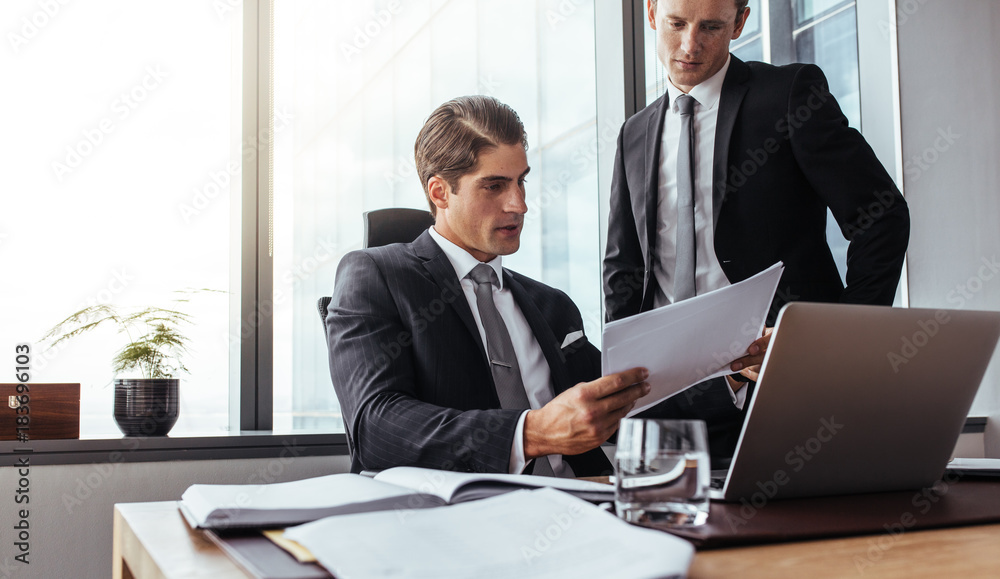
x,y
394,225
382,227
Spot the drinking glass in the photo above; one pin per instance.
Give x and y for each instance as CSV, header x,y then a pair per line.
x,y
662,472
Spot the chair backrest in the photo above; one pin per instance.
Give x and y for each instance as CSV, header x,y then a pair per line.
x,y
382,227
394,225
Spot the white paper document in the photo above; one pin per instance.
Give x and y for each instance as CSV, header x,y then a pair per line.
x,y
524,534
691,341
975,466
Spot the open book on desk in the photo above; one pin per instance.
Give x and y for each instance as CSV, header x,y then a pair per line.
x,y
210,506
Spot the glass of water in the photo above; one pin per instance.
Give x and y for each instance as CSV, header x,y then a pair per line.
x,y
662,472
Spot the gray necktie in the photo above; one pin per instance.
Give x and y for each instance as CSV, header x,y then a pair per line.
x,y
686,262
503,360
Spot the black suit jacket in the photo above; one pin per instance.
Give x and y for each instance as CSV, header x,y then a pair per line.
x,y
783,153
410,369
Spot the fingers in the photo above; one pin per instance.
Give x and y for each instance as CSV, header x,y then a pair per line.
x,y
625,398
617,382
752,372
754,357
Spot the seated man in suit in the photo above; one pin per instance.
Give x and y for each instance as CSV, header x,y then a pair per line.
x,y
440,357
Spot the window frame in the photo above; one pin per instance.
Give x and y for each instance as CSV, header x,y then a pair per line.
x,y
252,403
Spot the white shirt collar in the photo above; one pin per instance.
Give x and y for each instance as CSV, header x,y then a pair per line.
x,y
462,260
707,93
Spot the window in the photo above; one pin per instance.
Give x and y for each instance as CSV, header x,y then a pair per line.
x,y
121,186
358,80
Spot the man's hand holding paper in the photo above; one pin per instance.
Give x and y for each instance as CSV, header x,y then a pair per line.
x,y
689,342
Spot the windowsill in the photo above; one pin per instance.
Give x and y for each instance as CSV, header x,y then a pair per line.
x,y
206,446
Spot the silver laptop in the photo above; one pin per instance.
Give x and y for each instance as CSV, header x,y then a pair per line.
x,y
857,399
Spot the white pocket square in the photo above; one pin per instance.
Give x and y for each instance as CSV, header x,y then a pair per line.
x,y
571,337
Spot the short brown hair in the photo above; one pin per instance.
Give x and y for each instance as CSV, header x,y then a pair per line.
x,y
457,131
741,5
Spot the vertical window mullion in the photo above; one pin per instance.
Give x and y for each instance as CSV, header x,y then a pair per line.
x,y
251,407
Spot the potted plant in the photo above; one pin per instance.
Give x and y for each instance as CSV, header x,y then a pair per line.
x,y
146,406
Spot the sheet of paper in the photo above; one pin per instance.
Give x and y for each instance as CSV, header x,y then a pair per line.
x,y
981,466
525,534
691,341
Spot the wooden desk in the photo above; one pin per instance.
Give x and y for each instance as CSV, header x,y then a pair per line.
x,y
152,540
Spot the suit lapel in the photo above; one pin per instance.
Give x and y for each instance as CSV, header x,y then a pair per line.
x,y
437,265
543,334
654,138
734,88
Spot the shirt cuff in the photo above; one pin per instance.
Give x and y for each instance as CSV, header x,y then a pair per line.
x,y
517,462
739,397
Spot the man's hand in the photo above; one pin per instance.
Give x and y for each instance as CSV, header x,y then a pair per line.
x,y
749,365
584,416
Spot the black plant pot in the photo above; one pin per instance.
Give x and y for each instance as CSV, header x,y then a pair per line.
x,y
146,406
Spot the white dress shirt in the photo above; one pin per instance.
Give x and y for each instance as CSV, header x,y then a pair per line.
x,y
708,274
535,373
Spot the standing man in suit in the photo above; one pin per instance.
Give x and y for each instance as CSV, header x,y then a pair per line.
x,y
442,358
732,170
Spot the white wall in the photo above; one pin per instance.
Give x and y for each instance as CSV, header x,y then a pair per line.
x,y
949,76
71,507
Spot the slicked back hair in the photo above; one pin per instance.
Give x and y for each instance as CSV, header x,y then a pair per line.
x,y
457,131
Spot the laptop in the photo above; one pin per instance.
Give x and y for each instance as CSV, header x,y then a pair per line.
x,y
858,399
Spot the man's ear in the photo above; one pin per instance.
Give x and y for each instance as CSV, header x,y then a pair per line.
x,y
437,191
651,13
741,21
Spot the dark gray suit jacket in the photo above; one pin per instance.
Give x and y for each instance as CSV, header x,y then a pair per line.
x,y
411,372
783,153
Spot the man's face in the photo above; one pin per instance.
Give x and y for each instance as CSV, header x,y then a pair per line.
x,y
484,213
693,37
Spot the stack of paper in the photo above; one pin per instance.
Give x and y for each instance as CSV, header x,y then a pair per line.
x,y
524,534
693,340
